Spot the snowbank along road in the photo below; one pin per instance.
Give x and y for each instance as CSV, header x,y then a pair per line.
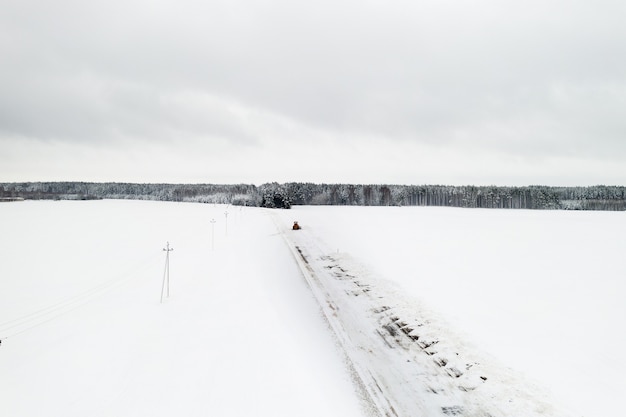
x,y
407,362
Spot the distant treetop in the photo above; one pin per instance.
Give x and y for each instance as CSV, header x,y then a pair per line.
x,y
274,195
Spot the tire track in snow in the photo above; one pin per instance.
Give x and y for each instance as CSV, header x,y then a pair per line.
x,y
368,356
404,362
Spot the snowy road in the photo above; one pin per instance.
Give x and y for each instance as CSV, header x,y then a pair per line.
x,y
409,364
84,332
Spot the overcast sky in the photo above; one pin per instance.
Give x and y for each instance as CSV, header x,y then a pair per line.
x,y
344,91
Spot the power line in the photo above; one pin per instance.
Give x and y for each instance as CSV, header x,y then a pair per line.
x,y
53,311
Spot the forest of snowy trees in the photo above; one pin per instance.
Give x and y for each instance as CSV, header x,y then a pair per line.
x,y
276,195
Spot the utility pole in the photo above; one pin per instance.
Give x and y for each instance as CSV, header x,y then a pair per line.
x,y
212,234
166,273
226,215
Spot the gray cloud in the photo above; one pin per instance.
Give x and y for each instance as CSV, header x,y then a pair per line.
x,y
540,79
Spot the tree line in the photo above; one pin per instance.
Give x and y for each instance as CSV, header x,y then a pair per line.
x,y
275,195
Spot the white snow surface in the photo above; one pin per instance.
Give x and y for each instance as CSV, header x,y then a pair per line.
x,y
534,300
365,311
240,334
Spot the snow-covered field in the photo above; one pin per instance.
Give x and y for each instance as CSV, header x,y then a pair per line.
x,y
442,311
240,334
540,292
